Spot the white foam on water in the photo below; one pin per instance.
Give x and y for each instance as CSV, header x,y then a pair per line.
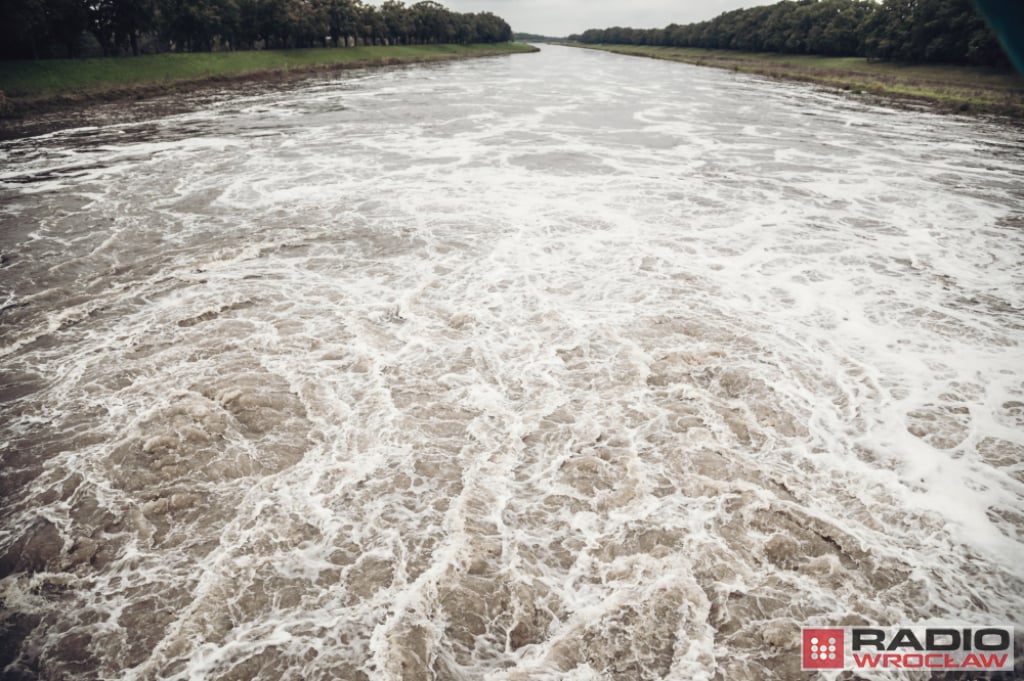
x,y
556,366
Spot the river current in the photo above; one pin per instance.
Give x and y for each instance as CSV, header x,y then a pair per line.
x,y
556,366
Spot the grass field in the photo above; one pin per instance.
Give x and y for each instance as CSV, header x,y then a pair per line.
x,y
951,88
25,85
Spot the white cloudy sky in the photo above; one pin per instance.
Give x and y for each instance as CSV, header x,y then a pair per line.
x,y
562,17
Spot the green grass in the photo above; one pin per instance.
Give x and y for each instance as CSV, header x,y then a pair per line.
x,y
951,88
26,79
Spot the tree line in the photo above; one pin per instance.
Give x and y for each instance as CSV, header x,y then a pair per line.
x,y
34,29
939,31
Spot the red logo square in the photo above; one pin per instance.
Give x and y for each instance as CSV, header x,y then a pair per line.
x,y
823,649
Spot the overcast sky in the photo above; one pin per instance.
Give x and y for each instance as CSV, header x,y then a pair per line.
x,y
561,17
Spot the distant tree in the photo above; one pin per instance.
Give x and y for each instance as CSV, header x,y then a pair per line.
x,y
398,20
539,38
372,26
430,21
23,30
44,28
491,29
117,24
947,31
307,21
197,25
66,21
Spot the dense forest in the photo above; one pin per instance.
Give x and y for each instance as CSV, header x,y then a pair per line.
x,y
940,31
71,28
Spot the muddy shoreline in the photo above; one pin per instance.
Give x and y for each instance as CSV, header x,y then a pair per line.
x,y
892,89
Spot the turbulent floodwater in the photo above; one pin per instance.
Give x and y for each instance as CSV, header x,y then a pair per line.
x,y
556,366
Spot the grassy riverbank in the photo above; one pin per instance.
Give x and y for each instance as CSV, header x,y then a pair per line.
x,y
950,88
27,86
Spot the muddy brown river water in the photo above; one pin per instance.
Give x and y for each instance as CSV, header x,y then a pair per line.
x,y
557,366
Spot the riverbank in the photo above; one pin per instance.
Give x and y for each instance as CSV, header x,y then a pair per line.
x,y
958,89
28,88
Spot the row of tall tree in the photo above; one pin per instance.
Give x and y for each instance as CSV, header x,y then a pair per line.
x,y
940,31
71,28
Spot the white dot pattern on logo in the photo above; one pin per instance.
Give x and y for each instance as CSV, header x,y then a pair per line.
x,y
823,651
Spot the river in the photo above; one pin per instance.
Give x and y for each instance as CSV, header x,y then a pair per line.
x,y
555,366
